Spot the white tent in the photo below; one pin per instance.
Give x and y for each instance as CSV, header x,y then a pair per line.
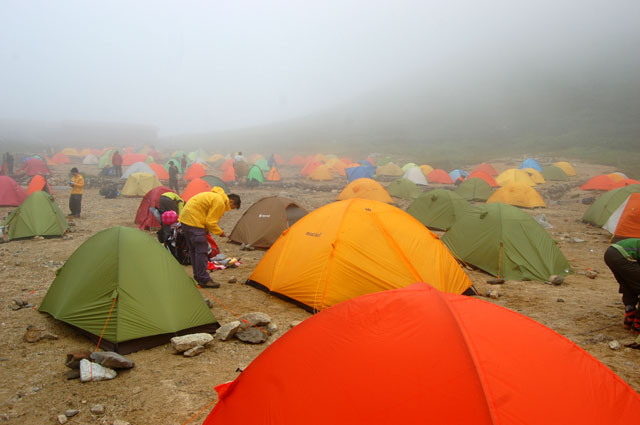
x,y
90,160
138,167
416,175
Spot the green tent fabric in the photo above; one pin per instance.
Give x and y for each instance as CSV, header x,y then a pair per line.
x,y
263,164
403,188
216,181
255,174
506,242
600,211
474,189
105,159
408,165
553,172
154,298
384,161
38,215
439,209
176,161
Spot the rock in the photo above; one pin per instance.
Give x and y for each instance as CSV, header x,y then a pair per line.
x,y
252,336
591,274
71,413
34,334
588,200
186,342
542,220
94,372
494,294
615,345
73,373
20,302
97,409
556,280
577,240
560,300
62,419
120,422
17,263
233,280
198,349
295,323
38,238
496,281
255,319
112,360
227,331
272,328
74,357
209,303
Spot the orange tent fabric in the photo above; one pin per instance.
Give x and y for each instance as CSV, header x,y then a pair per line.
x,y
310,167
616,177
38,183
439,176
364,188
515,175
416,355
625,221
196,170
161,173
625,182
194,187
278,159
274,175
229,174
519,195
321,173
225,165
132,158
297,160
339,168
484,176
486,168
355,247
60,158
602,182
426,169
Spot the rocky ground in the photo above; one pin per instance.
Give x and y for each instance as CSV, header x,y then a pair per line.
x,y
167,388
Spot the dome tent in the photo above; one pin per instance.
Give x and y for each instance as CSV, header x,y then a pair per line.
x,y
439,209
441,359
600,211
474,189
365,189
216,181
126,271
625,221
11,193
38,215
553,172
416,175
138,167
519,195
138,184
403,188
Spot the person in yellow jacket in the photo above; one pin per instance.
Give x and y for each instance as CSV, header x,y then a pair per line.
x,y
200,215
75,200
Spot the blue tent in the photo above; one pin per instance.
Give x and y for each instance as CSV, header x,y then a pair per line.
x,y
531,163
457,173
366,171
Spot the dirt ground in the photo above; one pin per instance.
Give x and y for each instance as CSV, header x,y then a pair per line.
x,y
170,389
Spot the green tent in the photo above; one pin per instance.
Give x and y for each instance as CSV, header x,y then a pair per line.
x,y
216,181
474,189
439,208
105,159
506,242
126,276
404,188
263,164
553,172
384,161
408,165
255,174
38,215
600,211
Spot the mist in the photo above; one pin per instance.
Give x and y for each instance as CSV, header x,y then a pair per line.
x,y
340,70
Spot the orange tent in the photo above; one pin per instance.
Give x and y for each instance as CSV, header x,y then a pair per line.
x,y
229,174
60,158
278,159
625,220
426,169
274,175
194,187
161,173
616,177
132,158
355,247
196,170
310,167
439,176
486,168
484,176
38,183
517,194
364,188
339,167
297,160
625,182
602,182
225,165
321,173
416,355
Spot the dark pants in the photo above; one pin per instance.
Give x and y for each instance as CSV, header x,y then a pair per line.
x,y
198,248
627,273
117,170
167,204
75,204
173,184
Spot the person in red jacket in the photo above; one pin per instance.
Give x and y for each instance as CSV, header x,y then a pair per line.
x,y
116,160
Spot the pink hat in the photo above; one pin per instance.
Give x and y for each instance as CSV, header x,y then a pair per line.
x,y
169,217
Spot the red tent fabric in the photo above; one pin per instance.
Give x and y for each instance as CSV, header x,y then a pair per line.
x,y
439,176
417,355
161,173
310,167
226,164
297,160
484,176
34,166
11,193
278,159
194,187
487,168
602,182
60,158
38,183
144,219
132,158
625,182
195,171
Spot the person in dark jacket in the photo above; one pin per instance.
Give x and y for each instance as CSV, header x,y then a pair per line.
x,y
116,160
622,258
173,176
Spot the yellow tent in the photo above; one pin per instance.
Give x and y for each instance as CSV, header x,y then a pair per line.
x,y
138,184
320,158
215,157
616,177
518,194
70,152
535,175
321,173
426,169
515,175
566,167
352,248
364,188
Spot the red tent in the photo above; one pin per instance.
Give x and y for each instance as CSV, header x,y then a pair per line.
x,y
194,187
602,182
132,158
417,355
439,176
487,168
229,174
310,167
484,176
195,171
60,158
38,183
34,166
161,173
297,160
144,219
226,164
11,193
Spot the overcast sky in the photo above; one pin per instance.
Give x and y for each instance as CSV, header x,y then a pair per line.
x,y
195,66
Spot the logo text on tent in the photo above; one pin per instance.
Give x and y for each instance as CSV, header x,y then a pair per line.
x,y
315,235
264,215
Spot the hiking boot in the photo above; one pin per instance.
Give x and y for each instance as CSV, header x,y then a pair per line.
x,y
635,326
210,284
630,318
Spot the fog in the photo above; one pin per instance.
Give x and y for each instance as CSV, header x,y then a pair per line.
x,y
197,67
